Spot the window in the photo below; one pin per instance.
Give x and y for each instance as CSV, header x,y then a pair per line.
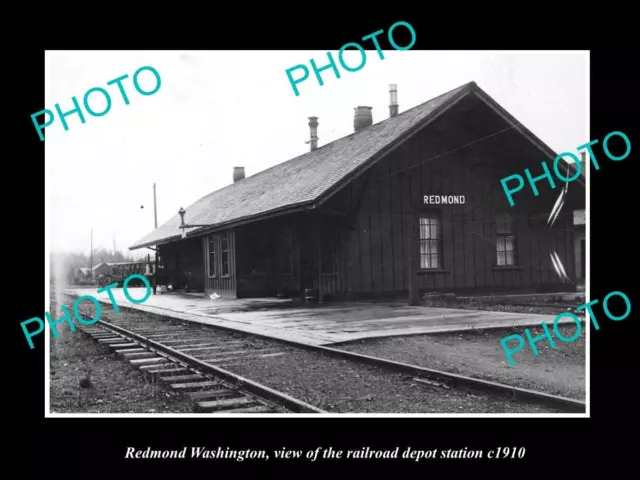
x,y
212,256
430,242
225,255
506,240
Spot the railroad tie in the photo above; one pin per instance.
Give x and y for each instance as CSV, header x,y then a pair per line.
x,y
195,386
235,359
194,347
108,340
118,346
139,362
183,340
181,378
165,364
225,403
128,354
166,370
226,356
122,351
256,409
213,394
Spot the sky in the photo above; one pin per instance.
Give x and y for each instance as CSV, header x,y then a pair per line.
x,y
216,110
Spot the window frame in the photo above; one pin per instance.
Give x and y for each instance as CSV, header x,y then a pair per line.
x,y
505,219
225,238
212,239
439,239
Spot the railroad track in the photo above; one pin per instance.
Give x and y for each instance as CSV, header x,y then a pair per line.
x,y
210,388
152,343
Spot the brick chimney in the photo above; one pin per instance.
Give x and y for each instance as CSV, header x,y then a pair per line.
x,y
393,94
362,118
313,126
238,174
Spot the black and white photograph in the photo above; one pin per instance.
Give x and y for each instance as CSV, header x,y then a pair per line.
x,y
278,233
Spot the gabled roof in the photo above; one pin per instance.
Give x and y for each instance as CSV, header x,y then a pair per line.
x,y
309,178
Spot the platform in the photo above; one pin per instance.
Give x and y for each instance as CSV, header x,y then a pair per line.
x,y
323,324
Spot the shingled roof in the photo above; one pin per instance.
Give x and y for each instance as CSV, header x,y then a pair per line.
x,y
300,182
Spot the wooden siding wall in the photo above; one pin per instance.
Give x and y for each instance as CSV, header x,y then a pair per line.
x,y
222,285
373,252
332,272
262,243
182,257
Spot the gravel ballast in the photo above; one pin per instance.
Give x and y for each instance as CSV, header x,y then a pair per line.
x,y
114,387
479,354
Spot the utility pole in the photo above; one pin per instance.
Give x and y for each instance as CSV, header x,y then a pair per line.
x,y
91,256
155,209
114,244
155,221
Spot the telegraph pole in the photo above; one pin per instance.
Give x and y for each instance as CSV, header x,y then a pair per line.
x,y
91,256
155,220
155,209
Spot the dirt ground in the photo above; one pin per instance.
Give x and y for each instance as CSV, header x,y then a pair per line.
x,y
115,386
479,354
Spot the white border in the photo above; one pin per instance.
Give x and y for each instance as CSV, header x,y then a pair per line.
x,y
587,414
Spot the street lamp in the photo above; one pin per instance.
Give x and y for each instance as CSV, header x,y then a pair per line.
x,y
182,212
184,226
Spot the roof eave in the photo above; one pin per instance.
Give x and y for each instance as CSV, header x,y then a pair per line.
x,y
308,205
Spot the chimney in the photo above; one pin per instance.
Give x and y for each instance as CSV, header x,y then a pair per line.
x,y
393,106
313,126
238,174
362,118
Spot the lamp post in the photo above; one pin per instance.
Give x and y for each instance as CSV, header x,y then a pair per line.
x,y
182,212
184,226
